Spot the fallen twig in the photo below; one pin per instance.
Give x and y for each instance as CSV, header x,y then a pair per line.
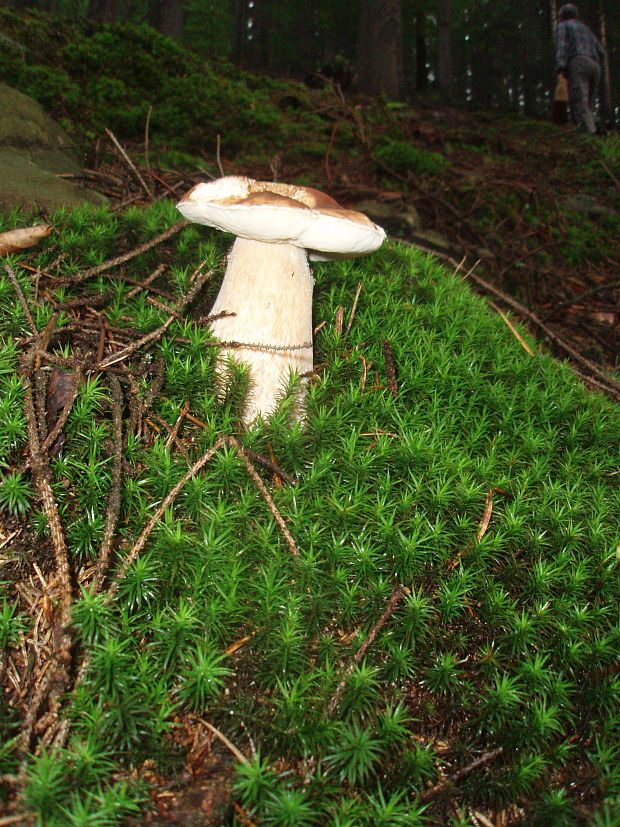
x,y
611,174
388,354
330,145
146,138
114,495
218,156
270,466
129,162
392,603
154,335
174,431
40,469
227,743
266,496
575,299
612,386
165,504
17,819
513,329
114,262
22,299
353,309
126,352
448,782
53,683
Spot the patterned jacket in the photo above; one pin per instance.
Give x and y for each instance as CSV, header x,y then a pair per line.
x,y
573,38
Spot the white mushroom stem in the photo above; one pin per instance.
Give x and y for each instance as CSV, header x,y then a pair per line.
x,y
268,286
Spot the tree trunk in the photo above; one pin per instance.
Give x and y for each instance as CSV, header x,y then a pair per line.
x,y
421,52
239,53
167,17
102,11
380,61
256,49
606,97
445,72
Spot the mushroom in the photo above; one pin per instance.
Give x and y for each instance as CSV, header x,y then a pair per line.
x,y
266,296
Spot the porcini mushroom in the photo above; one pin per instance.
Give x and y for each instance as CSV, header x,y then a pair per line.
x,y
267,287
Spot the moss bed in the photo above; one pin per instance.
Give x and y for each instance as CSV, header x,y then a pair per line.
x,y
451,496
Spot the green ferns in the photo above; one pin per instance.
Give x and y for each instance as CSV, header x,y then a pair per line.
x,y
505,638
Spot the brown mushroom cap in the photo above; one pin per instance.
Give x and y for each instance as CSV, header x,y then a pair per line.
x,y
281,213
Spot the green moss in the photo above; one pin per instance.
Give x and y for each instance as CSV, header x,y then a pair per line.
x,y
507,638
110,78
405,158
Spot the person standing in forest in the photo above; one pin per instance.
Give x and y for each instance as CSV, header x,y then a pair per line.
x,y
578,55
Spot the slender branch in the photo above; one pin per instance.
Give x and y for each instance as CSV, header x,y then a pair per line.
x,y
442,786
153,336
218,156
392,603
40,473
114,262
266,496
575,299
146,138
165,504
157,334
114,496
353,309
227,743
22,299
388,354
270,466
612,385
129,162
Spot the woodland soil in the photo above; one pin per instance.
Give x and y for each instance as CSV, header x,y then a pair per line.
x,y
530,208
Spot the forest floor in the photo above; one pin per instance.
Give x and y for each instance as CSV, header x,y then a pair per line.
x,y
530,211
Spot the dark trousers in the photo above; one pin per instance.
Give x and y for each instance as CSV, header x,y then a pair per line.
x,y
584,75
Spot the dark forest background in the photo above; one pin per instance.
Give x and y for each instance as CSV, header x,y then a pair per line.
x,y
482,53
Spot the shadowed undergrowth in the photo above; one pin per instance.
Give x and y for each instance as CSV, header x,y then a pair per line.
x,y
450,494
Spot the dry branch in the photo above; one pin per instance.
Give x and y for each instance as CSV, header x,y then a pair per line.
x,y
22,299
165,504
129,162
114,496
392,604
449,782
115,262
388,354
266,496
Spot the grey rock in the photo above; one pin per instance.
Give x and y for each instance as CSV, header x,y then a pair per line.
x,y
588,205
397,219
434,241
34,149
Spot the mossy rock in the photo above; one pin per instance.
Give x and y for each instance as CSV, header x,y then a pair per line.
x,y
33,150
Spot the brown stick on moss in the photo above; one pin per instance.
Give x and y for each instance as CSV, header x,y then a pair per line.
x,y
392,603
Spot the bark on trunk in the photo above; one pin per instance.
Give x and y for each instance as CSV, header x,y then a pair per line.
x,y
606,96
421,53
102,11
445,73
380,61
167,17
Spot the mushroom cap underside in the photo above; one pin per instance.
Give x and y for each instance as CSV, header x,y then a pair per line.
x,y
281,213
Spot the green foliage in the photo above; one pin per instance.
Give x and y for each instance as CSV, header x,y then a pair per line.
x,y
111,77
406,159
610,151
355,753
507,640
202,678
15,493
